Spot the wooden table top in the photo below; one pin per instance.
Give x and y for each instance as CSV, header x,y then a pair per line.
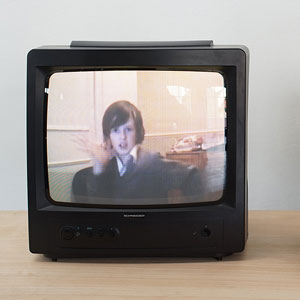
x,y
269,268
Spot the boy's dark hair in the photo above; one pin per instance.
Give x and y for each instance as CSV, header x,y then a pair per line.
x,y
118,113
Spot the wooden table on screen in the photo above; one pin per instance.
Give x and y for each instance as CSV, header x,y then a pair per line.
x,y
196,158
269,268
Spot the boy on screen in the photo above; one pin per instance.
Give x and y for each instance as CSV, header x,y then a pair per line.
x,y
123,170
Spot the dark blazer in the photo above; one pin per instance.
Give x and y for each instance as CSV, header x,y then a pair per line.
x,y
151,177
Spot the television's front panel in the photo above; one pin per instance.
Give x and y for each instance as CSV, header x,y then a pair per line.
x,y
174,114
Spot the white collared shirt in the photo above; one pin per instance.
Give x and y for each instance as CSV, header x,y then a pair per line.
x,y
121,166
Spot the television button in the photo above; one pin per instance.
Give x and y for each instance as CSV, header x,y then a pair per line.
x,y
100,231
205,232
89,231
114,232
67,233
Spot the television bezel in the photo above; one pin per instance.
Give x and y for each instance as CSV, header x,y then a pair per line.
x,y
231,61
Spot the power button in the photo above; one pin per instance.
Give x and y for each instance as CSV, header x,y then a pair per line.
x,y
67,233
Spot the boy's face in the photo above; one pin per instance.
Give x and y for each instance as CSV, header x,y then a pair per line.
x,y
123,137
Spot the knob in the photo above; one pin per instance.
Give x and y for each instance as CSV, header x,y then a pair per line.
x,y
67,233
114,231
205,232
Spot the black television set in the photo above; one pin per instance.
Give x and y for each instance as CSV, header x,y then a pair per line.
x,y
137,149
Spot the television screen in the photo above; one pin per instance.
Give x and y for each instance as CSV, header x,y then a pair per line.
x,y
136,137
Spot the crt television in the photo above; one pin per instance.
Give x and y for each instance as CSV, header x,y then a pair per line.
x,y
137,149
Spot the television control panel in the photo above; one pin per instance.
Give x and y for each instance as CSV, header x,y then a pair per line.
x,y
206,234
76,232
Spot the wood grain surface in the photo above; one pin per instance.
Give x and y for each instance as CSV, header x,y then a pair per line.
x,y
269,268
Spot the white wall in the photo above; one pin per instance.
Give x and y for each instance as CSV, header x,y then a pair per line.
x,y
270,28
